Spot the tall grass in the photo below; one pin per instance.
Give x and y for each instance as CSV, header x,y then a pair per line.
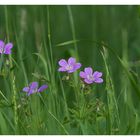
x,y
103,37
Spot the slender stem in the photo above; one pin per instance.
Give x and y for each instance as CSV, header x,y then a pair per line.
x,y
4,97
49,35
53,115
72,28
1,61
12,77
64,96
15,102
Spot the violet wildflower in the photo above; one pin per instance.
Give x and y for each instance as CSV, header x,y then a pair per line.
x,y
5,48
33,88
69,66
90,77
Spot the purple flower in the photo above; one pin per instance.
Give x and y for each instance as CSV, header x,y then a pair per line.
x,y
70,66
33,88
90,77
5,48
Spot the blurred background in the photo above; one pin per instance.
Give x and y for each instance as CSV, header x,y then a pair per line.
x,y
116,26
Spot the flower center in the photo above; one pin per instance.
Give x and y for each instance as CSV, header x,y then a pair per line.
x,y
90,77
69,67
34,90
1,50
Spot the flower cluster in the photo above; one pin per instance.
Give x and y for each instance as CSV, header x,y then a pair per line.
x,y
87,75
69,66
33,87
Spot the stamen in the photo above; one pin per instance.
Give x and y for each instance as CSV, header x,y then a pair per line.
x,y
1,50
90,77
68,67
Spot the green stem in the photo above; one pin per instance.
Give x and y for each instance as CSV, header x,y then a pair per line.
x,y
1,62
49,36
12,77
53,115
72,28
15,103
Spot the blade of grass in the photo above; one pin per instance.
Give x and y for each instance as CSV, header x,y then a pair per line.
x,y
113,116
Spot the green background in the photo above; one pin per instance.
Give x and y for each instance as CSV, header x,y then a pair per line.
x,y
107,38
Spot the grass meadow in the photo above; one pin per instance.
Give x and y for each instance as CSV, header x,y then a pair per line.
x,y
106,38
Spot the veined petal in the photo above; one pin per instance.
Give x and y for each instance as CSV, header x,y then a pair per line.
x,y
88,70
71,61
97,74
62,62
7,48
62,69
33,87
71,71
88,81
42,88
32,91
77,66
98,80
83,74
25,89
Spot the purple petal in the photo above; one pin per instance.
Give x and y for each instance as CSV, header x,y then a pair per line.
x,y
1,46
1,43
7,48
77,66
97,74
83,74
88,81
62,69
62,62
71,71
31,91
33,87
98,80
25,89
88,70
42,88
71,61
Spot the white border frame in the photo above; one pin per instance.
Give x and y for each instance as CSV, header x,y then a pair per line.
x,y
69,2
